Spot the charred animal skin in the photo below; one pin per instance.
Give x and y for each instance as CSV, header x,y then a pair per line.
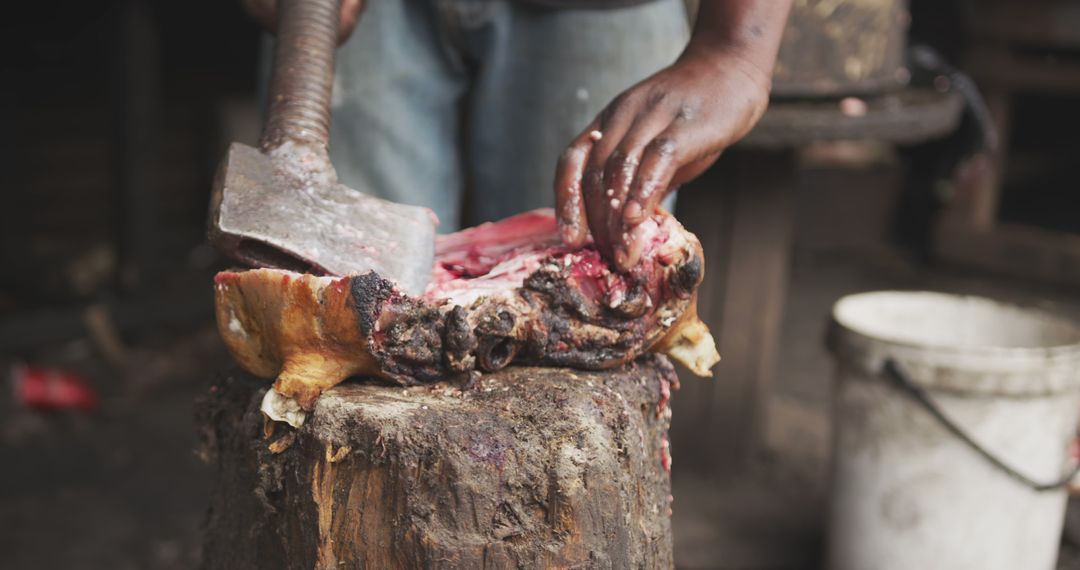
x,y
569,310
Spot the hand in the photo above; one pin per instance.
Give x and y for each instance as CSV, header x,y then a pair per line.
x,y
265,13
660,133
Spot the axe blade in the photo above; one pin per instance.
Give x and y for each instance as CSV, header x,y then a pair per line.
x,y
266,215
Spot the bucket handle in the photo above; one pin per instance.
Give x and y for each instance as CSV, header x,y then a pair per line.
x,y
897,377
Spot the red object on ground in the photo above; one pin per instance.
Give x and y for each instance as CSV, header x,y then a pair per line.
x,y
52,389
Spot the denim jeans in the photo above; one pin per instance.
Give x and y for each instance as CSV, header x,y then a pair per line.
x,y
465,105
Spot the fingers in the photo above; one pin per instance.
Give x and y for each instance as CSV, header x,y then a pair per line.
x,y
659,162
621,164
602,205
597,208
629,251
618,174
569,198
613,122
622,167
658,166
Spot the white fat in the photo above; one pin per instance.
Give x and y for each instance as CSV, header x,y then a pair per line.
x,y
282,409
234,325
469,294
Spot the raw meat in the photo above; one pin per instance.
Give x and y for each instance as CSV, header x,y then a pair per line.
x,y
500,293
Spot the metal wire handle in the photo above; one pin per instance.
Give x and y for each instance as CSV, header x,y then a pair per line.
x,y
900,380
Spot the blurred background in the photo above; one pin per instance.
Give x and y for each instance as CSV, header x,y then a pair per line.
x,y
879,165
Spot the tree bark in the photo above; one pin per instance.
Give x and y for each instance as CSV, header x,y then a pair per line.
x,y
526,468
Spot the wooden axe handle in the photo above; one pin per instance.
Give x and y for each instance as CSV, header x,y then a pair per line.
x,y
303,74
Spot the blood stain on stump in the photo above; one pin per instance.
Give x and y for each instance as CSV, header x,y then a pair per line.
x,y
488,448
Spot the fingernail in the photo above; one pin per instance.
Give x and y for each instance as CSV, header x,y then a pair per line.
x,y
596,135
633,212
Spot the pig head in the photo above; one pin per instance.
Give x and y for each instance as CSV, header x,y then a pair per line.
x,y
501,293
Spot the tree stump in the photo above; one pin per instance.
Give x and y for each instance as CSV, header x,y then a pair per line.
x,y
526,468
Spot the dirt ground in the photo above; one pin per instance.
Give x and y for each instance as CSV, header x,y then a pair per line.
x,y
122,487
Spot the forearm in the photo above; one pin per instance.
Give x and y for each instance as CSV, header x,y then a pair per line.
x,y
750,29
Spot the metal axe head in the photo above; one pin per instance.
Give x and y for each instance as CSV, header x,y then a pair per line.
x,y
285,209
282,206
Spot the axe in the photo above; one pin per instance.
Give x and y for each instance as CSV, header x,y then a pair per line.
x,y
282,206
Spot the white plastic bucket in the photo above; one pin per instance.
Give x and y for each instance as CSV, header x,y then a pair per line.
x,y
908,493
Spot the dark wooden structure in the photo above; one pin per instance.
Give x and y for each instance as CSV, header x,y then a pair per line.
x,y
527,468
742,210
1017,47
840,46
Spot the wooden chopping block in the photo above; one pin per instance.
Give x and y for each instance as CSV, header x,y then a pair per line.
x,y
529,468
